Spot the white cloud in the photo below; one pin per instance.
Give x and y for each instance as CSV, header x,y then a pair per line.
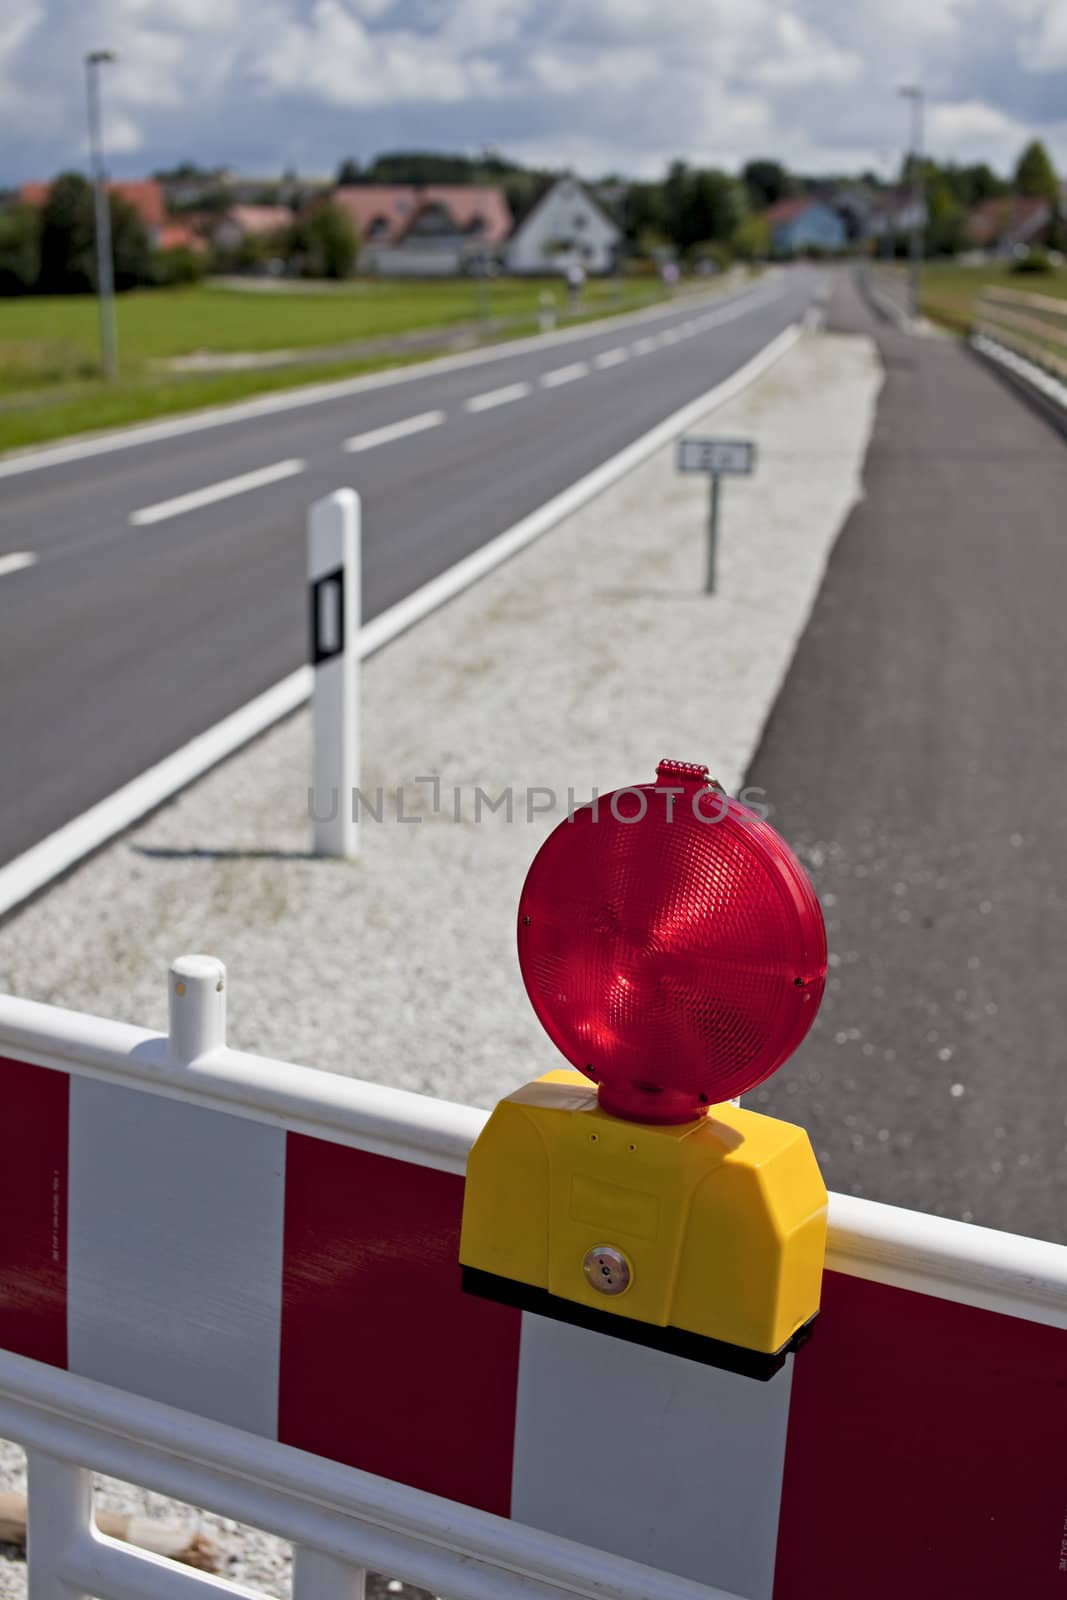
x,y
803,57
334,56
605,84
973,131
1045,50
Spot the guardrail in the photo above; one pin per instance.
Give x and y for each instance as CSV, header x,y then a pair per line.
x,y
234,1281
1033,326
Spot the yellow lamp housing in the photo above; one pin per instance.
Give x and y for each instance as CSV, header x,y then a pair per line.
x,y
704,1238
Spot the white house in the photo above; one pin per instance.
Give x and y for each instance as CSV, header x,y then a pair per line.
x,y
565,227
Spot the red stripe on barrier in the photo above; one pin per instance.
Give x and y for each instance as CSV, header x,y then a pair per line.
x,y
925,1454
33,1212
385,1363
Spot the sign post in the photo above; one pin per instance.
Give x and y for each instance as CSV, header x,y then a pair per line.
x,y
716,457
333,593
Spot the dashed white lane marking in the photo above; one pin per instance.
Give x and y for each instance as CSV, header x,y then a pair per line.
x,y
16,561
643,347
497,397
611,358
394,430
569,374
215,491
669,336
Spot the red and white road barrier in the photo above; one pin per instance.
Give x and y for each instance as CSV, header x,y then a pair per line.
x,y
275,1249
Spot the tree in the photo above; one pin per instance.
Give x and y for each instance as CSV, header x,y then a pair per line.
x,y
323,244
971,185
129,246
701,206
752,239
1035,174
348,172
68,240
20,250
944,213
68,237
767,182
421,166
643,215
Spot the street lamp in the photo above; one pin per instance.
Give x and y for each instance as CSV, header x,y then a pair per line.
x,y
914,93
105,276
482,263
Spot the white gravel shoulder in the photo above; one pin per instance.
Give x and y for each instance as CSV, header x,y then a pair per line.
x,y
581,662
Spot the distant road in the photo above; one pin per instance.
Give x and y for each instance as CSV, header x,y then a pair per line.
x,y
917,756
147,592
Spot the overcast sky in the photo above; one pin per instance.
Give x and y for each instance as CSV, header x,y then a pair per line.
x,y
598,85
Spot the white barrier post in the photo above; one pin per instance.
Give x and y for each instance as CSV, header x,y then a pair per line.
x,y
197,1007
58,1515
333,578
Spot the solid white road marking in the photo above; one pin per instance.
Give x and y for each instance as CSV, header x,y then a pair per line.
x,y
611,358
215,491
577,369
16,561
394,430
497,397
35,458
44,861
643,347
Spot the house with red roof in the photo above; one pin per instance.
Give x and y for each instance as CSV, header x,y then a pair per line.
x,y
425,230
251,222
145,195
1011,222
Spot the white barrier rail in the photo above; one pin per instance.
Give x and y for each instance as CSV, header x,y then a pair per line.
x,y
888,1244
340,1518
1033,326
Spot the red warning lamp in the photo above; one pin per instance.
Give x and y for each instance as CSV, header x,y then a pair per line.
x,y
671,945
673,948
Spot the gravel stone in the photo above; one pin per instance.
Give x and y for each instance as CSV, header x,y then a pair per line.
x,y
579,663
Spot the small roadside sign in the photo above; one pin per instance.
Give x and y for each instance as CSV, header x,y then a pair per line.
x,y
717,458
716,455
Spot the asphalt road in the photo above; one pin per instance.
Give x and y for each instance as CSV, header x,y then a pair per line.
x,y
127,638
917,757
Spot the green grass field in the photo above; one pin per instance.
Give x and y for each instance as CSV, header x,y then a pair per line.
x,y
949,291
48,346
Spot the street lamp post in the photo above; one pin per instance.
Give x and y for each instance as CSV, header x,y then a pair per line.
x,y
914,93
484,274
105,274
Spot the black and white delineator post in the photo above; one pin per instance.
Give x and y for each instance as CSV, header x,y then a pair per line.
x,y
333,590
716,457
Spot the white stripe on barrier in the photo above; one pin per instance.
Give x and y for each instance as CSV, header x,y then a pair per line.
x,y
199,1327
430,1541
590,1411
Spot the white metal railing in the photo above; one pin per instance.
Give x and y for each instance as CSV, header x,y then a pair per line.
x,y
340,1520
1033,326
192,1063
